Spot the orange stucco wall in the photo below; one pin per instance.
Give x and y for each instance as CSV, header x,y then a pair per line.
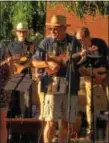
x,y
98,25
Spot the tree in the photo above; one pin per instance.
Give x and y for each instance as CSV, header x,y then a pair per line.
x,y
5,24
39,16
80,8
20,11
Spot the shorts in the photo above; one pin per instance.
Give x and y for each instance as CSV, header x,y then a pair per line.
x,y
56,107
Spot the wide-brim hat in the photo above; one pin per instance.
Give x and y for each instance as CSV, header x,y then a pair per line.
x,y
58,20
21,27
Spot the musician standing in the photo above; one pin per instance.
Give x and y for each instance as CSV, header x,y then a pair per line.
x,y
94,47
20,48
51,57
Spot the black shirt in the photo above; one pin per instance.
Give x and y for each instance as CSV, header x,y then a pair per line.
x,y
101,60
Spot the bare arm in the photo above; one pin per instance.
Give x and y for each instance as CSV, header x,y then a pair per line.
x,y
39,64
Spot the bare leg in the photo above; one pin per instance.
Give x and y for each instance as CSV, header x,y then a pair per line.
x,y
49,131
64,131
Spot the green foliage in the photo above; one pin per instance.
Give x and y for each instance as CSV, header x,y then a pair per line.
x,y
4,19
80,8
39,15
28,12
21,12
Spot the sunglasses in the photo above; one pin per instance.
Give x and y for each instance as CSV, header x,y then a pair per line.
x,y
55,28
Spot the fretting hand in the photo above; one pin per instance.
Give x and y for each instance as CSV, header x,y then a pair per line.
x,y
92,50
83,52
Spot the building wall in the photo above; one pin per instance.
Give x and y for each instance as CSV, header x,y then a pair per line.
x,y
98,25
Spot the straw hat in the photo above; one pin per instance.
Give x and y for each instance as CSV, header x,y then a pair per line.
x,y
21,27
58,20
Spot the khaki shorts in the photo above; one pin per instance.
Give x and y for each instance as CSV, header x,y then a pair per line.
x,y
56,107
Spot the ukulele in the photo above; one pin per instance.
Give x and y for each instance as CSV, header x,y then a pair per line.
x,y
20,64
99,74
51,66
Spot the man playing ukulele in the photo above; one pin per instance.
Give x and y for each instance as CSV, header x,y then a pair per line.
x,y
52,53
92,48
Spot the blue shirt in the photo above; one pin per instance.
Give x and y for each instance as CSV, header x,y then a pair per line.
x,y
68,46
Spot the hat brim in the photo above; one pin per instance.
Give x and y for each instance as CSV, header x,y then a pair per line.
x,y
23,30
49,24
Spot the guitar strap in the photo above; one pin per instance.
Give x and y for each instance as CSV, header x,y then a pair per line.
x,y
28,53
28,50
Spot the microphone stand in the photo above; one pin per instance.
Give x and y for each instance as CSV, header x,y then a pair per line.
x,y
90,62
69,77
69,97
93,130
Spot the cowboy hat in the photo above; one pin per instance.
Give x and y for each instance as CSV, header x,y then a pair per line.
x,y
58,20
21,27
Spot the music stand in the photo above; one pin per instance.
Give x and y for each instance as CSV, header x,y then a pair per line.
x,y
19,82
